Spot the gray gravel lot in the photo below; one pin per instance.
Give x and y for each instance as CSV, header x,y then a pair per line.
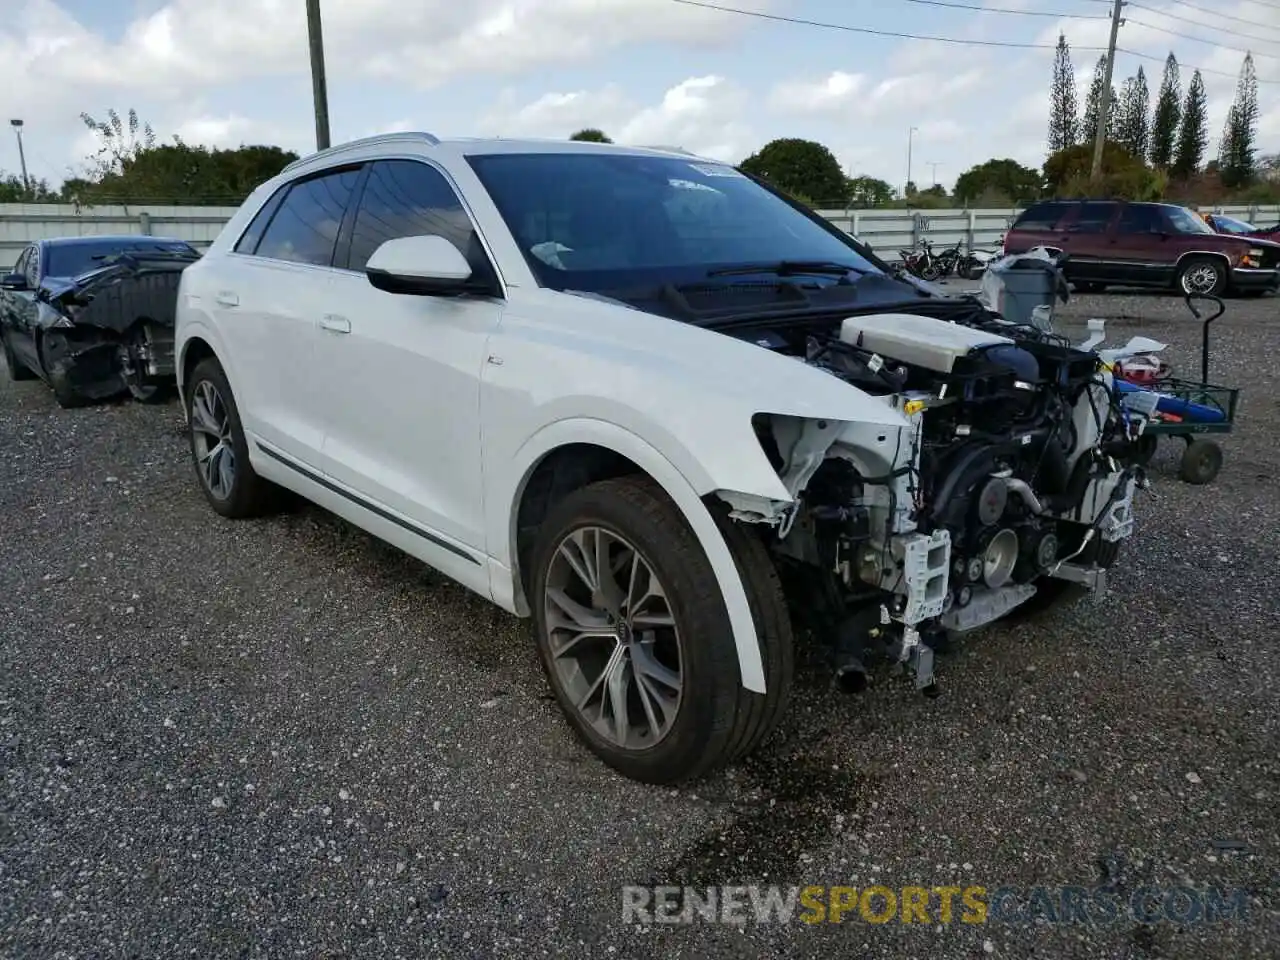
x,y
282,739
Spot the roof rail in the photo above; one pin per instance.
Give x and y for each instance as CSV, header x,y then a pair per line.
x,y
653,146
410,136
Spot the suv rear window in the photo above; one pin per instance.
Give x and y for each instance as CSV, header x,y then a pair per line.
x,y
1040,216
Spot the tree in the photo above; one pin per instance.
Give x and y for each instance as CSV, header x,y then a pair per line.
x,y
118,140
1194,134
998,180
1238,150
802,168
1093,104
1132,126
1064,118
868,191
591,135
1123,175
1164,125
13,190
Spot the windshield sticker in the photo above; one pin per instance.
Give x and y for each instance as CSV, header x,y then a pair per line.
x,y
715,170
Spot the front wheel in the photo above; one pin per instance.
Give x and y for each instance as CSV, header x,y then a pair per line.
x,y
219,450
635,639
1204,275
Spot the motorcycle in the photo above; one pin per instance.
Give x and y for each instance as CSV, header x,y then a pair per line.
x,y
974,264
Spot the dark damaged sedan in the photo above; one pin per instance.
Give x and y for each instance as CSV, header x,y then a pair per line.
x,y
93,316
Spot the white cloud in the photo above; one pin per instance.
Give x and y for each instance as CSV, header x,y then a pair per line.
x,y
702,114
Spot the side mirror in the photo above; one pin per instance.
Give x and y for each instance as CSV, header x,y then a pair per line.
x,y
421,266
13,281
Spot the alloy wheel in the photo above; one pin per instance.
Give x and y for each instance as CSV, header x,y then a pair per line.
x,y
614,644
211,438
1202,278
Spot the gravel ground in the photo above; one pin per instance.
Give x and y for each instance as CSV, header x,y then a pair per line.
x,y
282,739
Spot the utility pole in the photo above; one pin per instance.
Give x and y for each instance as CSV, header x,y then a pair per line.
x,y
22,157
935,164
319,91
1104,99
910,136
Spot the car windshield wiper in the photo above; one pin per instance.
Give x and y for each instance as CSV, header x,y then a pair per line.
x,y
786,268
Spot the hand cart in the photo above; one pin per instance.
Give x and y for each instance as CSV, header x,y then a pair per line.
x,y
1189,409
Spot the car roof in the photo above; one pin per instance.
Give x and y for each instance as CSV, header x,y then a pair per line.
x,y
107,238
459,147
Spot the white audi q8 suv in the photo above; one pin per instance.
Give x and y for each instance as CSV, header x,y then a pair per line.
x,y
672,416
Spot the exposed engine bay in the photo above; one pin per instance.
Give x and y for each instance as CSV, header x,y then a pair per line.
x,y
1015,474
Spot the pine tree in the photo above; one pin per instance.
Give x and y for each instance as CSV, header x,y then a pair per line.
x,y
1064,114
1132,125
1164,126
1093,104
1238,150
1194,135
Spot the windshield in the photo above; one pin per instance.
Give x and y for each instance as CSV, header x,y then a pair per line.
x,y
1232,225
1185,221
73,259
599,222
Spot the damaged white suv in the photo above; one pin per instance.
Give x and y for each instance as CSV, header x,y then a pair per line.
x,y
675,418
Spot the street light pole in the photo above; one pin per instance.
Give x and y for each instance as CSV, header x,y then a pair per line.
x,y
910,136
22,156
319,90
935,164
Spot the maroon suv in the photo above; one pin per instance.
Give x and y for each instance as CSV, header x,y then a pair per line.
x,y
1118,243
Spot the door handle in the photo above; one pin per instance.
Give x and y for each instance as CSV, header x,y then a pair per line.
x,y
227,298
335,323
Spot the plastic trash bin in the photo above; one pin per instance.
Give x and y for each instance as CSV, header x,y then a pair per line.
x,y
1024,288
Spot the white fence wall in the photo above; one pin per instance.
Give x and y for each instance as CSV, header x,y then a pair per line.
x,y
886,231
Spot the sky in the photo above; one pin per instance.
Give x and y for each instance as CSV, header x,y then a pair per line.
x,y
231,72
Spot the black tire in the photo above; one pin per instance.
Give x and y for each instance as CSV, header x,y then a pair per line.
x,y
1201,462
1194,267
718,721
249,494
56,371
16,369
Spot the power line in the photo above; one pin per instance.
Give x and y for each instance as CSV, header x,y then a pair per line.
x,y
1187,36
1215,13
1018,13
875,33
953,40
1205,26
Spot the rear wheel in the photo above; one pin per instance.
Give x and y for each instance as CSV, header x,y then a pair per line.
x,y
16,369
635,639
1201,462
219,450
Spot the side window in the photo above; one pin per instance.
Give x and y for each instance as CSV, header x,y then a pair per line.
x,y
1093,218
248,242
408,198
1042,216
1140,220
306,225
